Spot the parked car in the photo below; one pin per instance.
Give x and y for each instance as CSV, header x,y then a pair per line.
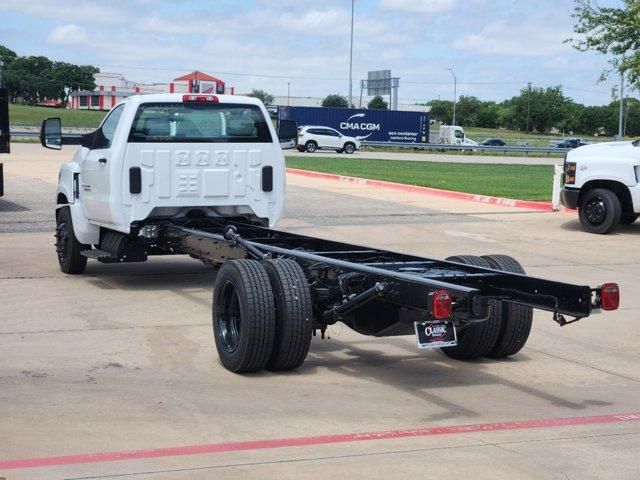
x,y
314,137
493,142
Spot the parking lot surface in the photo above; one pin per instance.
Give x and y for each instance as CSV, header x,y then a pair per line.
x,y
113,374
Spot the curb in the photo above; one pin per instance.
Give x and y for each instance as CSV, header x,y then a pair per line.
x,y
470,197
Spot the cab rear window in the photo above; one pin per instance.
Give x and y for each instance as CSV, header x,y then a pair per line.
x,y
199,123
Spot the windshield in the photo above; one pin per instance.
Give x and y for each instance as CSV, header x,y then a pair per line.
x,y
198,123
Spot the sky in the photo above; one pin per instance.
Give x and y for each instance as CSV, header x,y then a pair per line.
x,y
494,47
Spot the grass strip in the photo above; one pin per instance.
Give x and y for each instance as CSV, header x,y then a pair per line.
x,y
521,182
28,116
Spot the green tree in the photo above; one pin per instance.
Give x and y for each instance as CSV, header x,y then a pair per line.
x,y
488,116
539,109
65,78
334,100
441,111
7,55
612,31
26,77
595,120
377,103
263,96
467,109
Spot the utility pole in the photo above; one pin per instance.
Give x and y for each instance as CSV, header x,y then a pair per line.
x,y
351,59
288,92
528,106
455,85
620,131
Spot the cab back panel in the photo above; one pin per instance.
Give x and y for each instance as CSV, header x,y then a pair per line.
x,y
185,175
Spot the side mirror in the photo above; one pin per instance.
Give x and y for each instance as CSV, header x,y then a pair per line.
x,y
51,133
288,133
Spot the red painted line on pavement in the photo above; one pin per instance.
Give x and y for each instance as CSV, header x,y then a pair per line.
x,y
307,441
503,202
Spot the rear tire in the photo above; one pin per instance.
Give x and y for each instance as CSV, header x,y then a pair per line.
x,y
243,315
477,339
628,218
311,147
294,315
68,247
300,148
349,148
599,211
516,319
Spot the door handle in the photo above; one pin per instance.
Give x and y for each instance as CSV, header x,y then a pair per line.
x,y
102,161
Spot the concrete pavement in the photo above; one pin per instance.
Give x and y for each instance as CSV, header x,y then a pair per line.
x,y
122,358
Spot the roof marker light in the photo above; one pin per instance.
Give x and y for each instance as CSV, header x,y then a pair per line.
x,y
200,99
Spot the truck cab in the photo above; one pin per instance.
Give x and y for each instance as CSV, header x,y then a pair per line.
x,y
169,156
602,182
454,135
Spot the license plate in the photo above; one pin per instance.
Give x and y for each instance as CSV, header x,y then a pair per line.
x,y
436,334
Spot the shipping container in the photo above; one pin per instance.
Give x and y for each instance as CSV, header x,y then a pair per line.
x,y
365,125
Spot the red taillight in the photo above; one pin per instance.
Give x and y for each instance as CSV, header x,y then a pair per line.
x,y
441,304
610,296
200,99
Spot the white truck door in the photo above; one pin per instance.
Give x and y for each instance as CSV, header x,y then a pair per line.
x,y
95,171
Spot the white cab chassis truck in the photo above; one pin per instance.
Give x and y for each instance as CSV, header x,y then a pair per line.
x,y
204,175
603,182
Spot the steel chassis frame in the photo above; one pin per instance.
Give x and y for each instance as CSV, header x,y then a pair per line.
x,y
345,279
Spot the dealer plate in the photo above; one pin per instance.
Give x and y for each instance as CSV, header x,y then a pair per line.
x,y
436,334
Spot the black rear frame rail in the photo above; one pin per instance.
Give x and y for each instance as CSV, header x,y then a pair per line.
x,y
408,279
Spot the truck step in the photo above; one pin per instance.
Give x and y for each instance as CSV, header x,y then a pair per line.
x,y
96,254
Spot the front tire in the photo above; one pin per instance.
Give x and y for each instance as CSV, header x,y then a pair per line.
x,y
477,339
243,315
311,147
516,319
68,247
600,211
349,148
294,315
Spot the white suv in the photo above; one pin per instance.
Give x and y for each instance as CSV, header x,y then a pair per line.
x,y
312,138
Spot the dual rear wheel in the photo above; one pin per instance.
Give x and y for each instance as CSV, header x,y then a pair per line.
x,y
261,315
506,330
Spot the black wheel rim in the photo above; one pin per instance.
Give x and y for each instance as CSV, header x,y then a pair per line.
x,y
596,210
229,318
62,240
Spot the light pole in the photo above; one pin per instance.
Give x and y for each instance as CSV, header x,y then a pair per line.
x,y
288,92
455,85
351,59
620,128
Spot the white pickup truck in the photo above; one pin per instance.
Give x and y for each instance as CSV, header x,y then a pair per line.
x,y
204,175
603,182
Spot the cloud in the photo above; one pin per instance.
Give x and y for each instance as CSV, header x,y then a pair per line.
x,y
70,10
418,6
498,38
69,34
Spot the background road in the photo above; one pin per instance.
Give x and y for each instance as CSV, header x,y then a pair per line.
x,y
122,358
